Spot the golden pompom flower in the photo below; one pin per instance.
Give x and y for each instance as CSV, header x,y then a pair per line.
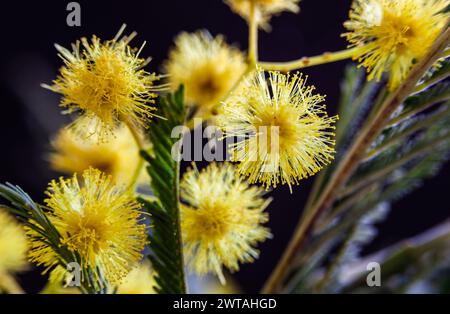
x,y
97,220
107,81
285,133
118,157
207,67
265,9
221,219
13,244
393,35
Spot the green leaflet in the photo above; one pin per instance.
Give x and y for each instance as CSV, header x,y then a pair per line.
x,y
418,259
165,239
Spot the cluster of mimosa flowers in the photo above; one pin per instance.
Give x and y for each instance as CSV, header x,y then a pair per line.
x,y
107,83
97,216
117,157
207,67
285,135
213,231
97,220
392,35
221,219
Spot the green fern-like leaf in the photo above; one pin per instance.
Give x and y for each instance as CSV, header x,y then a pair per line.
x,y
165,239
33,216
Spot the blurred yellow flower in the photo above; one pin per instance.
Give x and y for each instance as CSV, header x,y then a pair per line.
x,y
106,80
58,282
139,281
13,244
97,220
221,219
393,35
207,67
265,9
286,134
117,157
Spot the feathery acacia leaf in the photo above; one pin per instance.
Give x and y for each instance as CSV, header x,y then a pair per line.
x,y
33,216
165,239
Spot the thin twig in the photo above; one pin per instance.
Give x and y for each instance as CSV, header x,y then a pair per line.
x,y
305,62
253,35
140,165
352,159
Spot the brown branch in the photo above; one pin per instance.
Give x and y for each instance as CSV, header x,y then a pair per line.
x,y
352,159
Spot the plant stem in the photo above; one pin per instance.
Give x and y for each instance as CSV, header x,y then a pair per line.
x,y
329,57
350,162
342,129
304,62
178,221
253,35
140,145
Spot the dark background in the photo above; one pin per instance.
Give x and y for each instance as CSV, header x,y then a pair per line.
x,y
29,115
